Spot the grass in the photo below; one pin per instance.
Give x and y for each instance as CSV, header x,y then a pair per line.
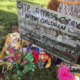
x,y
8,20
8,16
37,2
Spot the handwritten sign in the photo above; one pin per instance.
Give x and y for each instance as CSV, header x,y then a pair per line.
x,y
57,33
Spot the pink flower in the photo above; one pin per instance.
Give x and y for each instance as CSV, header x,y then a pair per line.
x,y
12,52
64,73
10,49
10,58
16,55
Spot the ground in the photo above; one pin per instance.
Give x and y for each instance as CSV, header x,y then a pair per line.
x,y
8,20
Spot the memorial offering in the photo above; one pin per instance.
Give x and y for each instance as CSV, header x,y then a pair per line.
x,y
57,33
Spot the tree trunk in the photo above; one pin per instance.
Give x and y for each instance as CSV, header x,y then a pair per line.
x,y
71,9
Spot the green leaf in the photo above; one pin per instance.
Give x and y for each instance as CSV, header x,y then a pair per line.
x,y
29,66
25,54
18,66
30,57
21,73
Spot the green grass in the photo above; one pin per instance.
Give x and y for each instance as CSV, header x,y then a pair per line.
x,y
8,16
8,19
37,2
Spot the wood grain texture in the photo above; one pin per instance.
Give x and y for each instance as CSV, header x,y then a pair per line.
x,y
70,9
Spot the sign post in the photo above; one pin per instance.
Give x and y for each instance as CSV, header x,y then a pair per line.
x,y
57,33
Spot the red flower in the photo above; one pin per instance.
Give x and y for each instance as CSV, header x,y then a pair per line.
x,y
36,56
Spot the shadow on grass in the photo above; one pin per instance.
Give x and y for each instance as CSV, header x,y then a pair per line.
x,y
7,21
11,6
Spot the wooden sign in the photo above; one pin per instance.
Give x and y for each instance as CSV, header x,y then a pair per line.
x,y
57,33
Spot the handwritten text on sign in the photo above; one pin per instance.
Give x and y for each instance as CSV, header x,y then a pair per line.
x,y
54,30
